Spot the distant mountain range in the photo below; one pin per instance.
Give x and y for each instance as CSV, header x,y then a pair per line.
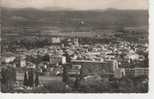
x,y
82,20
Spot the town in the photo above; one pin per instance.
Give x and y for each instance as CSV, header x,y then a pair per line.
x,y
74,46
70,64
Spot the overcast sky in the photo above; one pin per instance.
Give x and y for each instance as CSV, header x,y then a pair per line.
x,y
77,4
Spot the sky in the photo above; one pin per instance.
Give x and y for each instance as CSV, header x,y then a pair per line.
x,y
77,4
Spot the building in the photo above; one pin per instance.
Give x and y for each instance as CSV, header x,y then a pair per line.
x,y
53,59
119,73
8,57
79,69
21,61
140,71
137,71
56,40
94,67
76,42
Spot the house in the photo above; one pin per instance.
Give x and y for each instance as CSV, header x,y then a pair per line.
x,y
8,57
23,61
76,42
56,40
75,70
31,65
140,71
137,71
53,59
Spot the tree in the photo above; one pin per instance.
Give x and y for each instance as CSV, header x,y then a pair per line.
x,y
25,79
36,79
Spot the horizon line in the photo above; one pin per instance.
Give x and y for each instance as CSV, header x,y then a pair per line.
x,y
65,8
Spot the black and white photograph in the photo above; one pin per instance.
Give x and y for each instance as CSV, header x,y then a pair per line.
x,y
74,46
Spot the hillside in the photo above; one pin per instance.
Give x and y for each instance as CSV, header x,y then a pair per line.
x,y
73,20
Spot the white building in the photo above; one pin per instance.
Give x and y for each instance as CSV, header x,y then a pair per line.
x,y
22,61
8,59
56,40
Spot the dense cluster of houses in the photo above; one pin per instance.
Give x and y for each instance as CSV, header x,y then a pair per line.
x,y
74,59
